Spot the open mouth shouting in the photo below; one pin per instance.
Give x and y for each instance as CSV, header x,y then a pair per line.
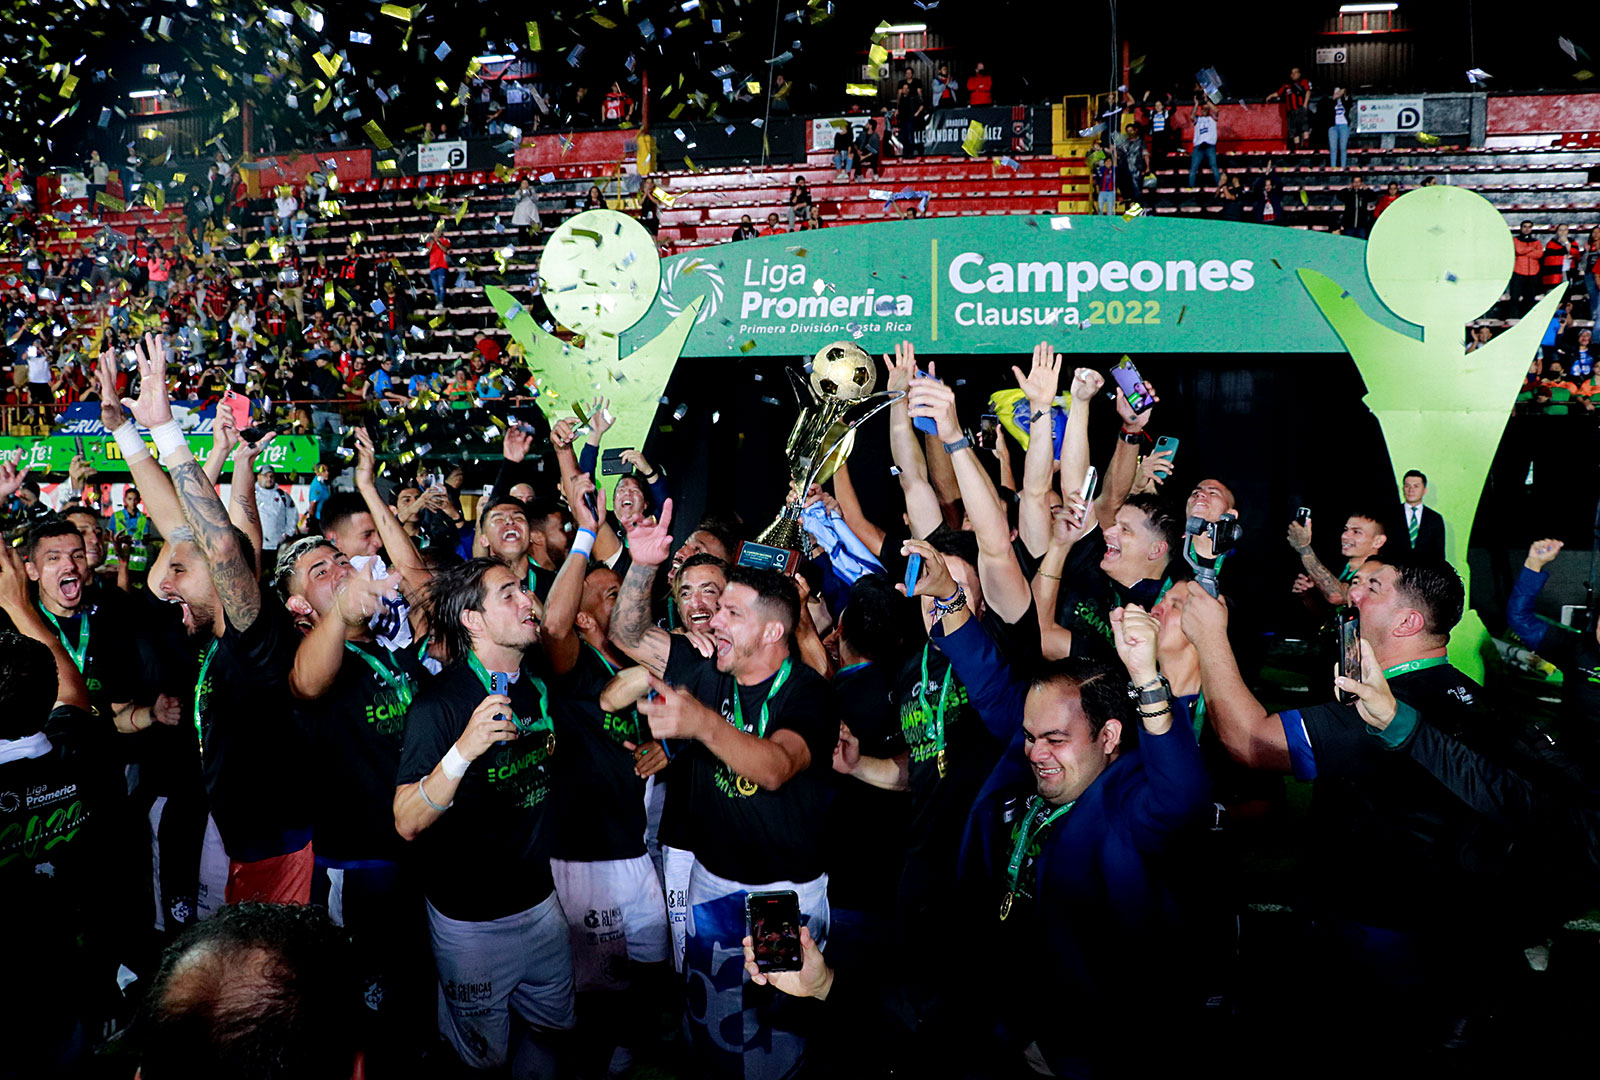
x,y
71,588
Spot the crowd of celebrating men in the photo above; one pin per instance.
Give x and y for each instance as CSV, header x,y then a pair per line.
x,y
993,739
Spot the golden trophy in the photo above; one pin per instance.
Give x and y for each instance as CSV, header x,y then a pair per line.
x,y
836,398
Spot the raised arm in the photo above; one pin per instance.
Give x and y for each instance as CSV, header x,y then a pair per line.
x,y
160,499
844,492
242,509
557,634
1038,463
321,653
1005,588
1252,736
1327,583
70,687
922,504
234,577
397,543
1066,529
1519,608
1124,467
632,631
606,541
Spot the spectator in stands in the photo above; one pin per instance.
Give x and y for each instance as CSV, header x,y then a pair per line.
x,y
869,145
242,326
908,110
1296,96
196,213
1204,148
944,89
594,200
1477,338
1557,334
1359,203
1133,162
618,107
745,229
1268,208
1525,271
1559,260
781,88
1230,193
774,226
525,216
843,135
1580,362
438,262
799,202
159,271
1341,109
1391,192
1589,267
979,86
1559,391
98,173
1103,170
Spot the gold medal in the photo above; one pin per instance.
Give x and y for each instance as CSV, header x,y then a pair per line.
x,y
1005,907
746,786
550,744
943,762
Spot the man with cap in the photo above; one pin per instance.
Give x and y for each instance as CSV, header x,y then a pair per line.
x,y
279,518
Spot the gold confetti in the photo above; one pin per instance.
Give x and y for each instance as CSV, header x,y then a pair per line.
x,y
395,11
534,44
747,346
375,133
329,64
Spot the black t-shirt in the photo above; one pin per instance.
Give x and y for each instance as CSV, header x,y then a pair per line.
x,y
602,813
540,580
865,834
488,856
254,756
1088,595
167,663
939,804
355,732
737,830
108,666
1392,843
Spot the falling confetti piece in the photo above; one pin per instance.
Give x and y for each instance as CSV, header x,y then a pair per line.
x,y
746,347
1182,312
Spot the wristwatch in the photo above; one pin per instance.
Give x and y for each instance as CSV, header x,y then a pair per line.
x,y
1132,438
1151,693
963,443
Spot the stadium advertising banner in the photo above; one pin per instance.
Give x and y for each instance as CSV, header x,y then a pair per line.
x,y
1001,284
442,156
80,422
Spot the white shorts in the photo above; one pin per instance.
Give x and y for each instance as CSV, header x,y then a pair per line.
x,y
486,969
676,863
615,913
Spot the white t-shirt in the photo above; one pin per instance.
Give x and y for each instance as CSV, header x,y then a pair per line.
x,y
1205,130
38,367
1338,113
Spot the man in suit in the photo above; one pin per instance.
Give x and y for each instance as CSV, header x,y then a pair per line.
x,y
1424,528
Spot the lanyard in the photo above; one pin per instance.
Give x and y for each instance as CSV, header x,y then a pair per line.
x,y
1033,823
199,685
81,652
611,669
938,715
1348,574
738,709
394,679
1414,665
524,727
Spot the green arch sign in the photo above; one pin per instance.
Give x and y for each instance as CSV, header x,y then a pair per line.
x,y
1398,303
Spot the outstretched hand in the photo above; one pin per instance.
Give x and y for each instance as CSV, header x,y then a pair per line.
x,y
154,405
650,542
12,477
902,366
1039,385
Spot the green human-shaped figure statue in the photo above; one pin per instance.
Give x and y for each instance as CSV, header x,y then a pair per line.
x,y
1438,258
600,273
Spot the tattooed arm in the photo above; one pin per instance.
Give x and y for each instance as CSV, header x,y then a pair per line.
x,y
1324,580
631,628
234,577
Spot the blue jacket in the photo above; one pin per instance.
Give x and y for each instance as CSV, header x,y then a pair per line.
x,y
1108,876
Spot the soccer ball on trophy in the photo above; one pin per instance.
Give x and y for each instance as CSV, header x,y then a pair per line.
x,y
843,371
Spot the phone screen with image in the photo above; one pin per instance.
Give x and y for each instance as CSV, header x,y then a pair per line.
x,y
773,920
1349,650
1132,384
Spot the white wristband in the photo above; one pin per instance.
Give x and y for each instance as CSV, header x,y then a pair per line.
x,y
133,448
454,765
582,544
168,438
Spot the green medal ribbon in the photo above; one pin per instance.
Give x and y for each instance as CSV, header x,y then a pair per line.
x,y
936,729
524,727
1414,665
199,685
80,652
611,669
1348,574
394,679
1034,823
761,723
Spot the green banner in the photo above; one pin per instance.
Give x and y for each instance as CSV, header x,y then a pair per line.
x,y
1001,284
286,453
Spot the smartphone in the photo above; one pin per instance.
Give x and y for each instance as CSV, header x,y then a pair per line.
x,y
240,405
924,424
1167,444
913,572
1132,384
1086,492
988,424
590,505
433,480
611,463
1302,516
1349,650
500,683
77,446
773,920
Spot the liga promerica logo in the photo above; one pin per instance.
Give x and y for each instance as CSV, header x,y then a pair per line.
x,y
702,270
